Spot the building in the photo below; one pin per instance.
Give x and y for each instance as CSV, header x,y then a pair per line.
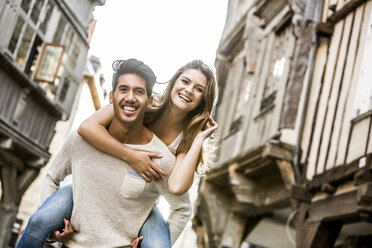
x,y
90,97
294,166
43,52
248,195
336,197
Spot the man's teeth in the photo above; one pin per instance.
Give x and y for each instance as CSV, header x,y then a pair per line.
x,y
129,108
185,98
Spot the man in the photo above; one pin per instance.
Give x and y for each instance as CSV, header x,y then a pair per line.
x,y
111,201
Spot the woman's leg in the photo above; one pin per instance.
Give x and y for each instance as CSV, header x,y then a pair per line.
x,y
155,231
48,218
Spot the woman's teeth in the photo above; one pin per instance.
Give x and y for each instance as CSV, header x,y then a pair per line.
x,y
185,98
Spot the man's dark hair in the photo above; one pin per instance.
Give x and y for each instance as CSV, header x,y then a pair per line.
x,y
136,67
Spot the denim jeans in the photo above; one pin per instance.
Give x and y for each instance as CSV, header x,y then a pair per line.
x,y
49,217
155,231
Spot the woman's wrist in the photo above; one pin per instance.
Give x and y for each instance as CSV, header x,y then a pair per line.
x,y
126,155
199,140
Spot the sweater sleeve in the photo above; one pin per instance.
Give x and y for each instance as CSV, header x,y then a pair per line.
x,y
180,209
59,168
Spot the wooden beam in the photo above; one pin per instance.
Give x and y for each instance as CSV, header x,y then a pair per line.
x,y
345,10
324,29
9,186
364,199
6,143
335,175
339,207
11,160
286,171
24,181
363,176
37,163
320,234
301,193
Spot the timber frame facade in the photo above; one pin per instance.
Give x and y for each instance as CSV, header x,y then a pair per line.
x,y
295,153
35,95
336,199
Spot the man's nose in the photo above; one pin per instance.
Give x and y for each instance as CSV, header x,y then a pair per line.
x,y
130,96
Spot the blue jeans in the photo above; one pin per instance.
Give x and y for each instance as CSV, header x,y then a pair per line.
x,y
155,231
49,217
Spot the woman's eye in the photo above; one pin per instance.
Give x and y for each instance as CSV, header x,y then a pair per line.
x,y
185,81
199,90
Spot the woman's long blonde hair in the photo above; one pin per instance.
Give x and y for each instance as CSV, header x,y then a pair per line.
x,y
197,118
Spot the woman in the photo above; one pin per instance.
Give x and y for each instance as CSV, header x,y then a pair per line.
x,y
181,120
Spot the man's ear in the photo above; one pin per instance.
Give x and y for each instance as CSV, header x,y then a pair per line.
x,y
111,96
151,99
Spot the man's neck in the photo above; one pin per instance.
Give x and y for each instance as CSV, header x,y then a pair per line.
x,y
133,133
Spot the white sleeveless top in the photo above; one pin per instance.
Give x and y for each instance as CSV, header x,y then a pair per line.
x,y
173,147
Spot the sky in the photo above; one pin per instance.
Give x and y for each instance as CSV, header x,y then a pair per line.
x,y
164,34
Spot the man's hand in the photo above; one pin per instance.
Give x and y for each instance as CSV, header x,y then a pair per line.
x,y
141,162
65,235
135,242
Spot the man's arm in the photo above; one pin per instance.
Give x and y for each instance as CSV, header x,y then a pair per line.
x,y
180,209
58,169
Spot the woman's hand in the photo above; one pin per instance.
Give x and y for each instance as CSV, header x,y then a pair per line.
x,y
135,242
209,128
141,162
65,235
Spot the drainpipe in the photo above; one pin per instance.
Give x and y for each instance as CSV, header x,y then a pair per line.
x,y
309,16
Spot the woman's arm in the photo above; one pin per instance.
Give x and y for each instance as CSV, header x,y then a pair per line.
x,y
94,131
182,175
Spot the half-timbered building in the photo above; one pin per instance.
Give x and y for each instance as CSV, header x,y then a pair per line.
x,y
336,202
43,50
295,153
262,70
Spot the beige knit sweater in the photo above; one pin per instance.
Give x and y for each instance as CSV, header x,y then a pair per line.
x,y
110,203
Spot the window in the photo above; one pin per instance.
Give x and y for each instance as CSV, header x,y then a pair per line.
x,y
60,30
64,89
16,34
32,58
24,46
74,55
25,40
276,67
48,14
49,63
35,13
37,22
25,5
69,37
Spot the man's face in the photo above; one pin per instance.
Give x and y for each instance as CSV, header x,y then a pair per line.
x,y
130,100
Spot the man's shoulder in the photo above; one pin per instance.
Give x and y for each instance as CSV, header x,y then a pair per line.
x,y
160,145
76,141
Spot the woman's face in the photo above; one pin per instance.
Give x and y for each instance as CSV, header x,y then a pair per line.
x,y
187,92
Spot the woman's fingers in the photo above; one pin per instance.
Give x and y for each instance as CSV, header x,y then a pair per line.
x,y
156,169
152,173
145,177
